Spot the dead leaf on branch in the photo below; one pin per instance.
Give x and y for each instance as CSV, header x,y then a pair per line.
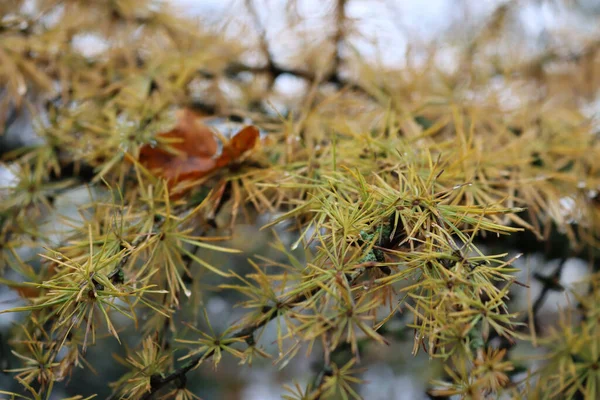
x,y
243,141
189,151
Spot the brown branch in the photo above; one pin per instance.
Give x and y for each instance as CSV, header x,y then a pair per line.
x,y
274,70
550,283
263,42
158,382
338,37
323,373
114,274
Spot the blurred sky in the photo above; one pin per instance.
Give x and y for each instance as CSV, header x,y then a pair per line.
x,y
385,27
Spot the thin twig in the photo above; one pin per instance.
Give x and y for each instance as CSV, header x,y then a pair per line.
x,y
338,38
551,282
323,373
160,381
263,42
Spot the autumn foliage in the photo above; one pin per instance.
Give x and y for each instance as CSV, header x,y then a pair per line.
x,y
362,225
189,150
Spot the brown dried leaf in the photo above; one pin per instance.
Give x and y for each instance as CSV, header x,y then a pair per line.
x,y
189,153
243,141
188,150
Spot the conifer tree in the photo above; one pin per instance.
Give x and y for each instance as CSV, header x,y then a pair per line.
x,y
396,205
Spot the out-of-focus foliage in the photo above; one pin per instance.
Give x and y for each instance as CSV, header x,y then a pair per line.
x,y
404,187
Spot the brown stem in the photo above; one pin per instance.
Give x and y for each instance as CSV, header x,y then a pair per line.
x,y
339,36
160,381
